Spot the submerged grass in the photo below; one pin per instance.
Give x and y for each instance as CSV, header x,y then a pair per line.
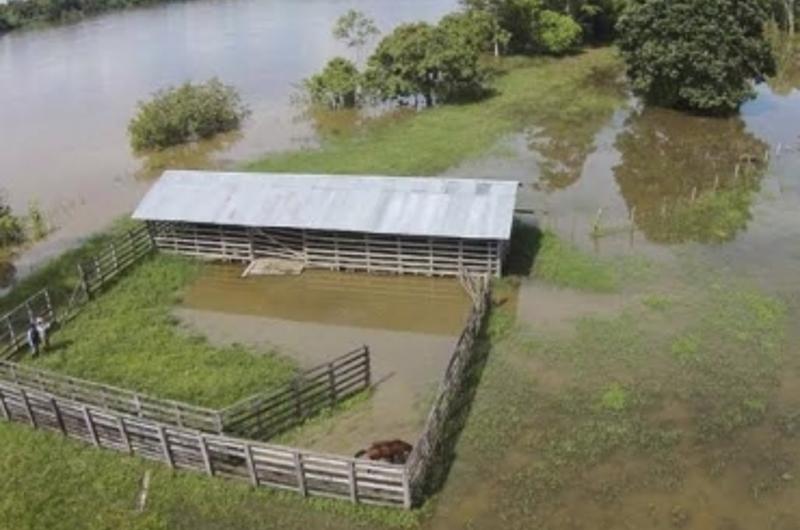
x,y
127,337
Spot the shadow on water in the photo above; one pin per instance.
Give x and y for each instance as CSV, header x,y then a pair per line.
x,y
689,178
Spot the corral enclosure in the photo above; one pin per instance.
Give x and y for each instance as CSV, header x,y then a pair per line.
x,y
424,226
411,325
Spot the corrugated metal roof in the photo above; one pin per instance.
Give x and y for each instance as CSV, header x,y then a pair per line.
x,y
420,206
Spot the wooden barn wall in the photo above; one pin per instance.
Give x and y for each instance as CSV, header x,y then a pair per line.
x,y
333,250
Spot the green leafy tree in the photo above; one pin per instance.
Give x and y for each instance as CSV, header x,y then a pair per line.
x,y
356,30
421,60
478,29
337,86
515,18
556,33
698,55
186,113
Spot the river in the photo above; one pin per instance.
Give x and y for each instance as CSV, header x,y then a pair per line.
x,y
68,92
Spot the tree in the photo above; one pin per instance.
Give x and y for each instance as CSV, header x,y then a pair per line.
x,y
337,86
356,30
556,33
698,55
477,28
515,18
187,113
420,60
12,231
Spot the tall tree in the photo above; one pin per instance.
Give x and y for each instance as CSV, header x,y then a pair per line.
x,y
356,30
698,55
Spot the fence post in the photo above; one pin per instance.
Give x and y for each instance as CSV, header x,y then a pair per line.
x,y
114,257
3,407
206,457
251,466
99,271
84,282
351,482
218,422
28,408
301,480
298,406
332,384
368,368
406,490
12,337
57,414
162,435
50,313
123,434
87,418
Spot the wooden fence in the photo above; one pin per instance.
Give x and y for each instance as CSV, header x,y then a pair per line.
x,y
307,473
113,398
423,459
14,324
268,414
123,252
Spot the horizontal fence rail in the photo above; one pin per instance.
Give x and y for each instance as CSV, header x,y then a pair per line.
x,y
14,324
123,252
262,465
423,457
113,398
268,414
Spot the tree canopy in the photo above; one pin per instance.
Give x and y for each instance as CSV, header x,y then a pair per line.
x,y
337,86
698,55
356,30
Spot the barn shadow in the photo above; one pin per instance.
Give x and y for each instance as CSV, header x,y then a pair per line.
x,y
526,241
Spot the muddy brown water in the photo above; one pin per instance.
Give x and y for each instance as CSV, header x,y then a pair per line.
x,y
410,324
68,92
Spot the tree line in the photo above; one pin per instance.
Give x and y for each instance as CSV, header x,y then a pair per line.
x,y
695,55
20,13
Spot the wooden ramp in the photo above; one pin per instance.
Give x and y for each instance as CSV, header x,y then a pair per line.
x,y
273,267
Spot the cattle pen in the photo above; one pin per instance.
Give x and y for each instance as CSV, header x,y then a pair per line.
x,y
234,442
390,225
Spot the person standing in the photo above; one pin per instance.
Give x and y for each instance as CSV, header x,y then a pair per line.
x,y
43,327
34,339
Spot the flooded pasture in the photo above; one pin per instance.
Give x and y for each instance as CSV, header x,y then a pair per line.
x,y
410,325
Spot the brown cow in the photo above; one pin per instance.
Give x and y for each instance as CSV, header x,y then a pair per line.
x,y
392,451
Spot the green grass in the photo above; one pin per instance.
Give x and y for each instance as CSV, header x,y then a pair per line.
x,y
558,91
127,337
563,264
55,484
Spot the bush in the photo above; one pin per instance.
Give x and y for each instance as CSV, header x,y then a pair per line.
x,y
556,33
187,113
698,55
11,230
337,86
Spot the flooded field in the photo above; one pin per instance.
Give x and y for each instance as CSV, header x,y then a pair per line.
x,y
410,325
69,91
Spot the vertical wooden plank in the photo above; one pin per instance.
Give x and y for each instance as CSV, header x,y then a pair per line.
x,y
138,404
201,440
4,407
406,490
251,466
57,414
12,337
367,367
124,436
51,315
87,418
84,282
300,474
99,272
114,259
332,385
218,422
162,435
28,409
351,482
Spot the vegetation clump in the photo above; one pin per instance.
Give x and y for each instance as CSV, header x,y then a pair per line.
x,y
12,231
186,113
698,55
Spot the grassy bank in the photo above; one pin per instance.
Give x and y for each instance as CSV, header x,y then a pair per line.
x,y
558,92
128,338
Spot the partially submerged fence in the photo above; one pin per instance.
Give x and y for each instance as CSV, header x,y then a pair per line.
x,y
423,459
268,414
305,472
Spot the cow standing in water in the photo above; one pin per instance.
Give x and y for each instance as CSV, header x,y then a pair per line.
x,y
392,451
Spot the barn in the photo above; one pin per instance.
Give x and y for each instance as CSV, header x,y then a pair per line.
x,y
391,225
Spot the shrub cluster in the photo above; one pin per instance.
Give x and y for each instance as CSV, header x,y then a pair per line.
x,y
186,113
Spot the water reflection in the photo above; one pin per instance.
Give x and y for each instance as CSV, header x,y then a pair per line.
x,y
566,138
689,178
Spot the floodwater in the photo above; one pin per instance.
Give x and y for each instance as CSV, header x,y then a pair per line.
x,y
68,92
411,325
